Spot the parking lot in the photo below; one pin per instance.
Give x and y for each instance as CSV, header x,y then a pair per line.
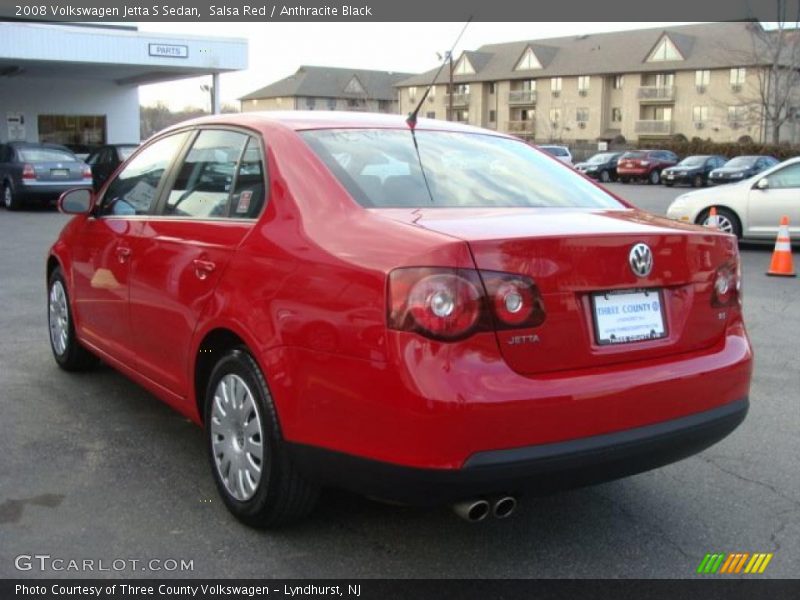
x,y
95,467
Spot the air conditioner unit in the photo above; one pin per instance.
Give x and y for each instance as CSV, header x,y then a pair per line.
x,y
582,124
701,89
699,124
556,93
583,92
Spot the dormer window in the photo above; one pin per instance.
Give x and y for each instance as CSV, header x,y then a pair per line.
x,y
665,50
463,67
354,87
528,61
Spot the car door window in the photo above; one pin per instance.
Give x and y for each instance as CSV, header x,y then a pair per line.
x,y
249,192
203,183
134,191
787,177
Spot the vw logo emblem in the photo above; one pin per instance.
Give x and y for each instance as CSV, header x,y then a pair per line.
x,y
641,260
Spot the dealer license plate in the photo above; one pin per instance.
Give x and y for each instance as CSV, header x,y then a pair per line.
x,y
628,316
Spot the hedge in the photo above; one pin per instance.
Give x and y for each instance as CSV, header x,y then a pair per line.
x,y
730,149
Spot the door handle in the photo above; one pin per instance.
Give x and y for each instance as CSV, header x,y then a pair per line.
x,y
203,268
123,253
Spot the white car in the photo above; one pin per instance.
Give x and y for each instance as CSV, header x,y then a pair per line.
x,y
751,208
562,153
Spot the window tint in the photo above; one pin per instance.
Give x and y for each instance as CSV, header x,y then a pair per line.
x,y
133,191
787,177
202,186
249,192
380,168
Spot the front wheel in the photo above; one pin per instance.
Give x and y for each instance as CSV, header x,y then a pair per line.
x,y
697,181
67,350
11,200
605,177
251,467
655,177
727,221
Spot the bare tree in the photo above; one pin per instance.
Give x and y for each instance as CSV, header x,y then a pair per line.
x,y
777,50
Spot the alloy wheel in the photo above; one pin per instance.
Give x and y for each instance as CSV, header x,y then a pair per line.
x,y
723,223
58,318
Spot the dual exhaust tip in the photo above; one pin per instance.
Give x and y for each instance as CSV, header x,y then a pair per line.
x,y
477,510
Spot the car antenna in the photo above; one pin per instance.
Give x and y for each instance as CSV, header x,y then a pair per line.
x,y
412,116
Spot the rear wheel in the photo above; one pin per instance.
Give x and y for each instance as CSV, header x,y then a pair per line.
x,y
655,177
605,177
11,200
697,181
249,461
67,350
727,221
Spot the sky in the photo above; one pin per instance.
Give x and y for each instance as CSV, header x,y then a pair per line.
x,y
276,50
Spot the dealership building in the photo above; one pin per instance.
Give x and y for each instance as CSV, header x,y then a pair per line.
x,y
79,84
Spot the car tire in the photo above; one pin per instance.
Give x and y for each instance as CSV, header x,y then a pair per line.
x,y
655,177
605,176
697,181
726,218
624,180
249,461
70,355
11,200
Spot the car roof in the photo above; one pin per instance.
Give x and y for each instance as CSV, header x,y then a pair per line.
x,y
318,119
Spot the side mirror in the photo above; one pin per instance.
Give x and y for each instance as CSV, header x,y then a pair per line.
x,y
78,201
763,183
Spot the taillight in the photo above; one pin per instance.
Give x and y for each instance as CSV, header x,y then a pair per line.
x,y
87,172
452,304
727,284
515,300
28,172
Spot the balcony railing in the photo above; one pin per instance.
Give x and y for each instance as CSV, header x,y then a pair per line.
x,y
654,127
657,93
528,126
461,99
522,97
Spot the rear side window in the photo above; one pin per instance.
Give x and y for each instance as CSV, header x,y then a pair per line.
x,y
221,176
134,191
381,168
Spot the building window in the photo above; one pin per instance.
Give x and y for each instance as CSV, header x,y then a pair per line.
x,y
492,116
430,114
699,114
78,130
331,103
583,83
616,115
737,114
492,87
412,93
702,79
555,116
665,50
582,115
737,78
461,88
619,81
310,103
461,116
555,86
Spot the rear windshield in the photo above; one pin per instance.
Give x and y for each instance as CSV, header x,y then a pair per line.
x,y
741,161
380,168
45,155
600,158
634,155
554,150
693,161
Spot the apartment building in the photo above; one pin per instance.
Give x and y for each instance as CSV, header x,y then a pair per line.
x,y
696,80
328,88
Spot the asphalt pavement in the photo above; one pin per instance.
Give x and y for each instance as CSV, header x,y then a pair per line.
x,y
93,467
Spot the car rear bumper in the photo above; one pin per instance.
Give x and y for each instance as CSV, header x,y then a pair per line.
x,y
538,469
633,172
37,189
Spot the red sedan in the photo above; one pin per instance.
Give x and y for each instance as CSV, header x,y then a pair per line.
x,y
438,314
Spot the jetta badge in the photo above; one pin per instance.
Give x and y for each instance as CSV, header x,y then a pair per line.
x,y
641,260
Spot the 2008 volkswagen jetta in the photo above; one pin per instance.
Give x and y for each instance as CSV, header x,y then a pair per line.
x,y
423,314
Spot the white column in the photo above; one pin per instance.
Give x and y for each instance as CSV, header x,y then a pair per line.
x,y
215,105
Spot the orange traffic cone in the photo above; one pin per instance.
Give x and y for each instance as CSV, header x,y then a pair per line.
x,y
711,221
781,264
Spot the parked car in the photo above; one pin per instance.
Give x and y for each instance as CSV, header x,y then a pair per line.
x,y
398,332
748,209
602,166
562,153
645,165
692,170
105,160
38,172
740,168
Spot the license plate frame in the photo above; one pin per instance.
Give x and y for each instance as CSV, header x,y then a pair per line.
x,y
59,172
605,325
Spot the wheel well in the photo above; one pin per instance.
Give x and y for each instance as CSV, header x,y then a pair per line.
x,y
213,347
52,265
